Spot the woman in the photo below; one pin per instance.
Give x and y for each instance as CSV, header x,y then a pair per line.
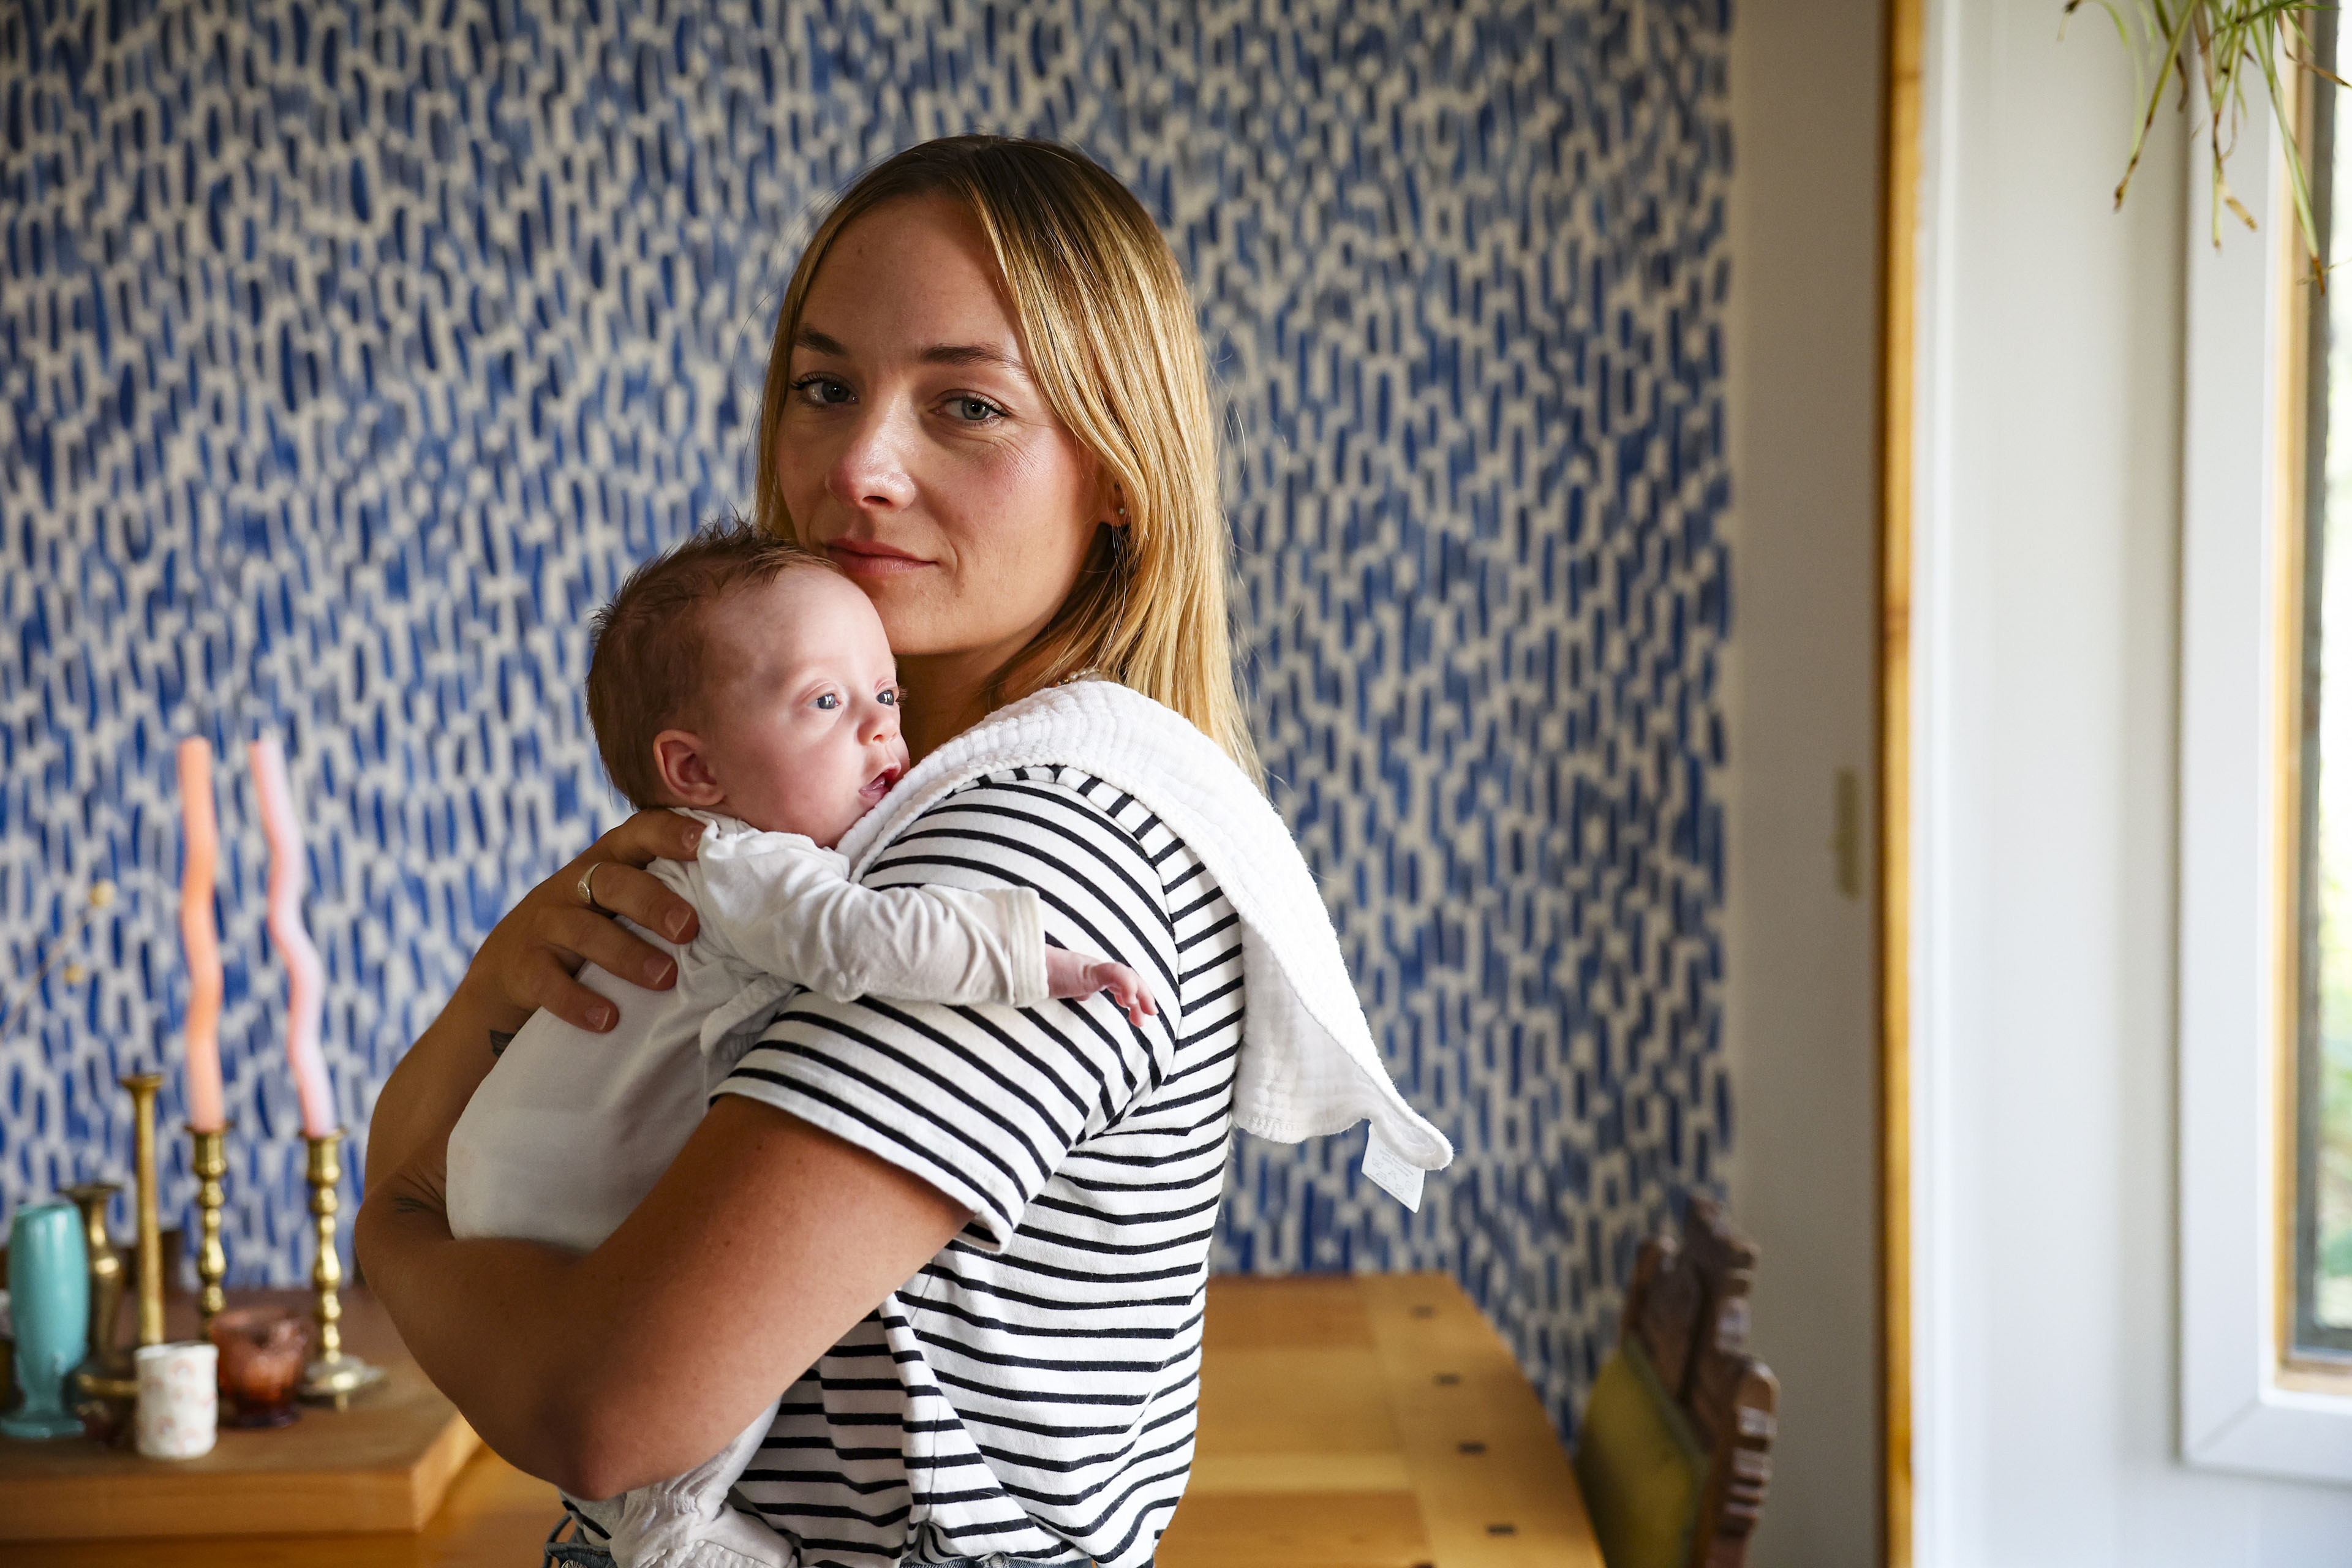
x,y
974,1254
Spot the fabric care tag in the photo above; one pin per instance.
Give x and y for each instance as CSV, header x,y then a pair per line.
x,y
1392,1171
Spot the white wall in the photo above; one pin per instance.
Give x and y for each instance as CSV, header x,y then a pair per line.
x,y
1806,87
2047,602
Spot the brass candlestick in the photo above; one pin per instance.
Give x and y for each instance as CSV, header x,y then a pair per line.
x,y
210,1163
106,1384
105,1270
336,1375
143,1087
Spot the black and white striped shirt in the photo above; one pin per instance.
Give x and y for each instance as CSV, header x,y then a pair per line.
x,y
1032,1390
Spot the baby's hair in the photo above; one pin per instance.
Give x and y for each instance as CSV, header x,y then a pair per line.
x,y
645,648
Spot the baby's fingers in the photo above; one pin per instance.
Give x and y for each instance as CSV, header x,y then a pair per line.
x,y
1127,989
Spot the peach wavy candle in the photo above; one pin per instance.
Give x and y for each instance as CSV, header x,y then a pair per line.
x,y
199,937
306,976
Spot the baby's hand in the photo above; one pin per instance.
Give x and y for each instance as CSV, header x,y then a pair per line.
x,y
1071,973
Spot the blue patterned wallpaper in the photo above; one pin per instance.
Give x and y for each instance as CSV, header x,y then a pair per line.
x,y
349,352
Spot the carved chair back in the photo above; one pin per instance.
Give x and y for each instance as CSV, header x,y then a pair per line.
x,y
1688,1308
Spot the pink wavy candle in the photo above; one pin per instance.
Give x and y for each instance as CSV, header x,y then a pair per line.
x,y
306,976
199,937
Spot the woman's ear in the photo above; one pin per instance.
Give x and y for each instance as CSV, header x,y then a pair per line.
x,y
685,776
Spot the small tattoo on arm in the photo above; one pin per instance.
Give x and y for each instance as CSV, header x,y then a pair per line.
x,y
499,1040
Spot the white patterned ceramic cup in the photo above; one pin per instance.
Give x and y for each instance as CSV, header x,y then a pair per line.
x,y
179,1400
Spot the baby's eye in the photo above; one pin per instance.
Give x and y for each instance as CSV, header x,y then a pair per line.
x,y
888,697
829,700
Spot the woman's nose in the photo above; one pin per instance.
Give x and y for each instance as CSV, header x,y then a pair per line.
x,y
871,470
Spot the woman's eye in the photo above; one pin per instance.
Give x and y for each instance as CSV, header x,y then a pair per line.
x,y
829,701
975,410
825,390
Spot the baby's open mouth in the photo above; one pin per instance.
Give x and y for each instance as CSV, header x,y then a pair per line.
x,y
880,784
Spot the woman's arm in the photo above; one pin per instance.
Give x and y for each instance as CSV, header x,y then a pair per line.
x,y
843,1152
527,961
602,1372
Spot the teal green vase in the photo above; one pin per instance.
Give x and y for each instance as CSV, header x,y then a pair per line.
x,y
49,1297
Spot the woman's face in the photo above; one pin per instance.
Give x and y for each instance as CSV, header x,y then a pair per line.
x,y
917,451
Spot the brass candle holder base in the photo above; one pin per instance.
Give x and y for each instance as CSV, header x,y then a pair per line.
x,y
336,1375
209,1162
332,1380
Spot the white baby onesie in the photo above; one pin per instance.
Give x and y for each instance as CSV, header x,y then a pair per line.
x,y
572,1129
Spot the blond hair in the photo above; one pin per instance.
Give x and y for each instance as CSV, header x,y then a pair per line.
x,y
1109,334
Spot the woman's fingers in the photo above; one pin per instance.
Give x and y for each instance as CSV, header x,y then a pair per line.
x,y
572,1002
529,959
580,935
622,889
590,937
652,836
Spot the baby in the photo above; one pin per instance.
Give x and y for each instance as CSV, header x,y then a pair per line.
x,y
741,678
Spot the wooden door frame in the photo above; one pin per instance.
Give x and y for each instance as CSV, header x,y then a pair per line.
x,y
1905,29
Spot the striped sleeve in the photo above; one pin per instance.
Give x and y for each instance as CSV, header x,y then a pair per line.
x,y
984,1102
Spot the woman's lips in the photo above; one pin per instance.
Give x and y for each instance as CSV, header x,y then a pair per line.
x,y
869,558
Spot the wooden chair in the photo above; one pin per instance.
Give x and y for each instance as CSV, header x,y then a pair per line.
x,y
1675,1450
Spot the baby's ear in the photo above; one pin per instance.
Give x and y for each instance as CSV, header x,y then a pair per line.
x,y
685,776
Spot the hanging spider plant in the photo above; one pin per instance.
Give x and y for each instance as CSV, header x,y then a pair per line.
x,y
2232,46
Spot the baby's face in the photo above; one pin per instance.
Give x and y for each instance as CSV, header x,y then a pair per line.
x,y
799,727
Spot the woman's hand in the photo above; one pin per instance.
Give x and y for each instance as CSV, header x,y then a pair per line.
x,y
531,957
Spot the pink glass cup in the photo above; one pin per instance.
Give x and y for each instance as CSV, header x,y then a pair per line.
x,y
262,1352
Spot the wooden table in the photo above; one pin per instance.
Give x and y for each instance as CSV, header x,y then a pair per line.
x,y
1371,1421
384,1464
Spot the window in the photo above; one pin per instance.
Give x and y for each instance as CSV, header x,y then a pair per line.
x,y
2321,1326
2265,954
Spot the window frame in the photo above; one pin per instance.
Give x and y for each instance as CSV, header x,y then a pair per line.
x,y
2325,1348
2246,1403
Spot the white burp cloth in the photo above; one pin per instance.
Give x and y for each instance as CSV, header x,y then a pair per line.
x,y
1308,1066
